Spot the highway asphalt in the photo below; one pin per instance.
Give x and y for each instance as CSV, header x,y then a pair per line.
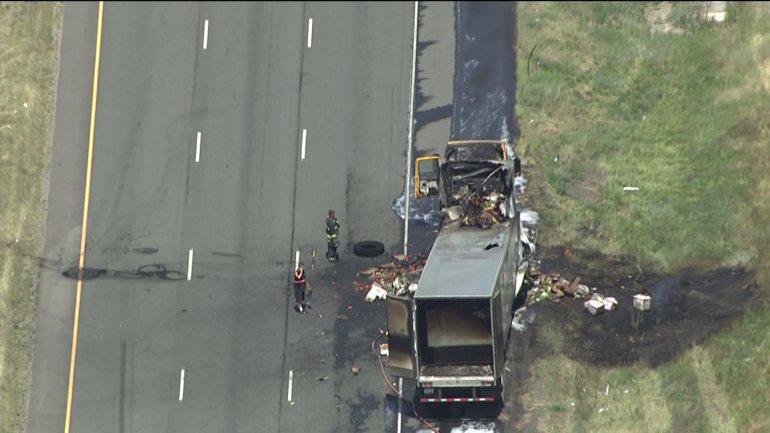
x,y
185,320
223,134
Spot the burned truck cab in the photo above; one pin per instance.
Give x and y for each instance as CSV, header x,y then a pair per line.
x,y
427,167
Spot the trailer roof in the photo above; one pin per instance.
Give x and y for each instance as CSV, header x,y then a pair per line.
x,y
460,266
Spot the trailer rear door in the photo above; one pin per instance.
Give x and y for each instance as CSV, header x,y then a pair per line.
x,y
402,358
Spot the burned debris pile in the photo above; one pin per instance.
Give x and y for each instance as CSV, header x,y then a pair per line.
x,y
484,212
398,277
477,194
554,287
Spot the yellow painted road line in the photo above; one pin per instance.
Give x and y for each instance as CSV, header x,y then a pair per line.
x,y
81,263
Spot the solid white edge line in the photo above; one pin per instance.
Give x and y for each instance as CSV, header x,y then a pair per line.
x,y
198,147
400,392
189,265
304,139
296,260
206,34
410,139
291,381
309,32
181,385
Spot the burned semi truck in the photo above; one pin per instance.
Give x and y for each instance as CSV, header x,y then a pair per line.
x,y
451,335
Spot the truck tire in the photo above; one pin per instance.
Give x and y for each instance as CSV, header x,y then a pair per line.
x,y
368,249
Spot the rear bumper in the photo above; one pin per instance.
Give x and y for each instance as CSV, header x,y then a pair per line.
x,y
455,399
489,392
455,382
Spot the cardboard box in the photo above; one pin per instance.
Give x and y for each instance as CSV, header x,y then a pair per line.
x,y
642,302
593,306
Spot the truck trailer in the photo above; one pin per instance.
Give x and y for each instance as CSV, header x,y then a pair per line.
x,y
451,336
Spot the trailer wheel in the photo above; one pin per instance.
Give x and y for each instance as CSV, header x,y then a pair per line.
x,y
368,249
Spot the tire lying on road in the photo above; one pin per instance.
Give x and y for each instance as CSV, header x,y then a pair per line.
x,y
368,248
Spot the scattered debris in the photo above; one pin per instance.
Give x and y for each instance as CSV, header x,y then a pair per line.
x,y
369,271
399,277
484,212
610,303
521,318
554,287
572,287
376,292
593,306
599,303
478,193
342,317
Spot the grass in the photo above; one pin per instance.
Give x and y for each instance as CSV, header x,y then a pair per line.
x,y
611,101
677,115
28,66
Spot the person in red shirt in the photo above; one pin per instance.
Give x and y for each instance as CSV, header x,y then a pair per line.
x,y
300,287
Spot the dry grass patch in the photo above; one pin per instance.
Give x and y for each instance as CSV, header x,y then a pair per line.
x,y
28,68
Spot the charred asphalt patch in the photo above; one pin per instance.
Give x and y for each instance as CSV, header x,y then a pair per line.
x,y
485,71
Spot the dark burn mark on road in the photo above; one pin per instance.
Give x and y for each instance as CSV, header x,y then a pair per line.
x,y
485,71
361,408
145,271
217,253
146,250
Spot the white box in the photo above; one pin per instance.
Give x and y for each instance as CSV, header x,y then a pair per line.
x,y
610,303
593,306
642,302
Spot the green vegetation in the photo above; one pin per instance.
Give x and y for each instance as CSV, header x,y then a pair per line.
x,y
678,114
28,66
650,95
